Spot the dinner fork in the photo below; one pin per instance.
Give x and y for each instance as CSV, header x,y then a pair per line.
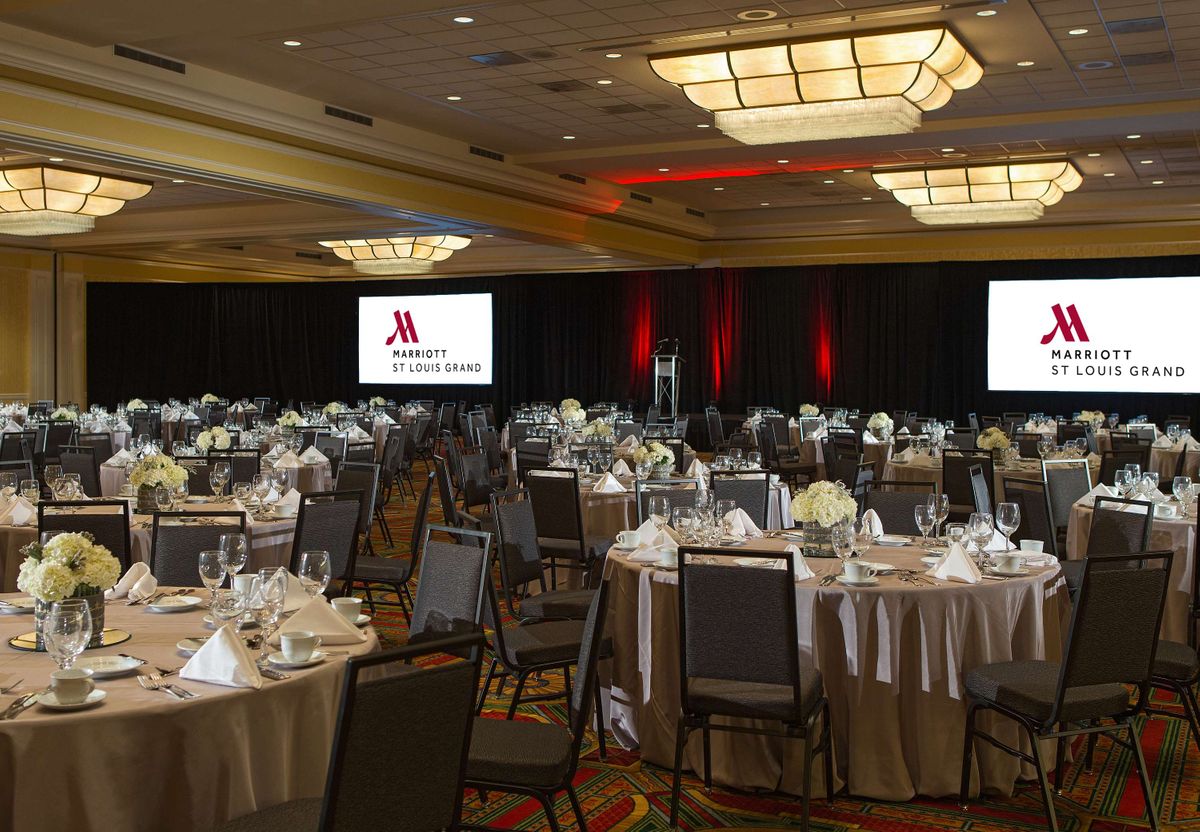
x,y
182,693
7,688
147,683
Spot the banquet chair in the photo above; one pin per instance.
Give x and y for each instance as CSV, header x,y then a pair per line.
x,y
842,457
1015,416
446,416
653,415
407,691
364,477
961,438
360,451
308,437
59,434
750,490
900,417
531,453
178,537
244,463
858,424
331,445
1120,527
1027,444
558,518
680,493
716,430
424,404
197,468
681,426
106,520
623,430
347,419
327,521
778,426
956,479
678,447
1067,480
540,758
739,658
101,443
146,421
81,460
263,403
894,501
452,586
787,466
973,421
1033,499
23,468
981,491
451,517
395,573
423,437
864,474
1113,461
18,445
1110,648
1068,431
217,416
489,441
477,421
1182,421
521,564
478,485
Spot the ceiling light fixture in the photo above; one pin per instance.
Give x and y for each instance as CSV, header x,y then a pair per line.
x,y
718,188
1093,155
454,98
867,198
947,149
1016,192
39,200
604,82
757,14
1025,63
568,138
1157,182
464,19
1110,174
663,170
764,204
849,86
985,13
1134,136
397,255
56,159
848,170
1080,31
177,181
830,181
612,54
704,125
293,43
781,161
1147,161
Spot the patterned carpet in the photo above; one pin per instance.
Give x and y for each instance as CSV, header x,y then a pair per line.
x,y
623,794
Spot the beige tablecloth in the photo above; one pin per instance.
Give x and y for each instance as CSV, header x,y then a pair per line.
x,y
812,452
1178,535
142,760
606,514
892,657
1024,470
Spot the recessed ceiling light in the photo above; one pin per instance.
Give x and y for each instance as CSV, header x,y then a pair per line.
x,y
848,170
704,125
454,98
602,256
568,138
764,203
55,158
757,14
176,181
830,181
489,235
1147,161
718,188
604,82
985,13
612,54
1090,65
1093,155
867,198
663,170
947,149
464,19
781,161
1080,31
293,43
1134,136
1157,182
1024,63
1110,174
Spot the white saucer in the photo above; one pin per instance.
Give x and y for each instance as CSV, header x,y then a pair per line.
x,y
362,620
175,603
17,606
278,660
618,547
930,560
1006,574
189,645
881,568
892,540
842,579
106,667
49,700
246,625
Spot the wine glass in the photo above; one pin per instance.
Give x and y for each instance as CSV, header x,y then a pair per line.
x,y
212,572
163,497
51,475
754,460
220,471
725,512
266,605
1008,519
940,503
660,511
980,528
232,547
67,631
261,483
1135,473
30,490
864,538
315,572
1121,481
229,605
281,479
842,538
8,483
735,457
1181,487
180,493
242,491
924,515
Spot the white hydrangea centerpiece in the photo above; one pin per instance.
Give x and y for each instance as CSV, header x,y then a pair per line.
x,y
209,398
216,437
158,469
656,453
597,427
378,401
827,504
809,410
333,408
70,565
62,414
993,439
1096,417
569,404
135,404
881,422
573,415
291,419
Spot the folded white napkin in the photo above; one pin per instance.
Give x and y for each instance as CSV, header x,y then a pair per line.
x,y
122,427
869,438
871,520
559,463
296,597
18,512
621,469
223,660
608,484
137,583
629,442
358,433
1162,442
288,460
1189,443
291,498
697,469
659,544
816,434
312,456
318,617
741,524
646,533
191,417
956,566
903,431
12,427
803,570
1101,490
384,419
121,458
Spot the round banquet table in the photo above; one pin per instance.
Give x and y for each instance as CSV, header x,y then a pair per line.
x,y
120,438
269,541
142,760
1026,469
309,478
810,451
892,656
1178,535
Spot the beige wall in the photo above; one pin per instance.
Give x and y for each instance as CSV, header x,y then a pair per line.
x,y
26,325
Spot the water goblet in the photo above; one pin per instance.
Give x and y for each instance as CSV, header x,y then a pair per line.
x,y
220,470
8,483
212,572
261,483
735,457
242,492
51,475
924,515
940,503
229,605
1135,473
315,572
754,460
1149,482
1181,487
162,497
1008,519
67,631
232,547
842,538
1121,481
642,470
660,511
980,528
683,518
726,510
30,490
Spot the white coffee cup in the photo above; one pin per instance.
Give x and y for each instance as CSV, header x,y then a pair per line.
x,y
627,538
72,686
298,645
858,571
284,510
349,608
1032,546
244,584
1007,563
1164,510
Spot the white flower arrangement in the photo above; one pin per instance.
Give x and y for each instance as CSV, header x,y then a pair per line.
x,y
333,408
378,401
809,410
1096,417
573,415
825,503
63,415
597,427
217,437
156,470
135,404
569,404
209,398
291,419
69,565
655,453
881,421
992,439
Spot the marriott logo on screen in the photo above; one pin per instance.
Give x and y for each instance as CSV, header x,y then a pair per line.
x,y
408,332
1069,325
1108,360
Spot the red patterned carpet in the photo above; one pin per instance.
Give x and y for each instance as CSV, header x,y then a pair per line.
x,y
622,794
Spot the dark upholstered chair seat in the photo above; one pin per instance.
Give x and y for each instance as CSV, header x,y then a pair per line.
x,y
1030,688
1175,661
594,548
296,816
368,568
1073,574
753,700
521,753
563,603
547,642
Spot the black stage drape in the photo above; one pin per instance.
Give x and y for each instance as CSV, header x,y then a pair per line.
x,y
872,336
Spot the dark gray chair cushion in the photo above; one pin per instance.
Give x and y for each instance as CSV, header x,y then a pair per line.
x,y
1030,687
296,816
1175,661
547,642
563,603
594,548
381,569
753,700
522,753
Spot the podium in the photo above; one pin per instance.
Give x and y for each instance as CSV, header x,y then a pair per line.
x,y
667,365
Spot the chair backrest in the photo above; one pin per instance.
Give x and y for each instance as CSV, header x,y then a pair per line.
x,y
894,502
1027,444
23,468
430,703
751,490
679,493
106,520
586,670
81,460
1115,624
1120,527
554,493
178,538
18,445
243,464
1113,461
716,431
623,430
101,443
736,624
197,468
364,477
956,476
445,494
1066,481
678,447
331,445
63,433
981,491
328,521
489,441
1034,501
1182,421
962,438
450,592
516,541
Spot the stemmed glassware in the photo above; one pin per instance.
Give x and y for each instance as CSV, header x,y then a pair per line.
x,y
660,511
217,477
924,516
266,605
8,483
842,538
51,475
754,460
940,503
724,511
229,605
261,484
1121,481
683,518
67,631
212,572
1008,520
163,498
1181,487
315,572
980,528
232,547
